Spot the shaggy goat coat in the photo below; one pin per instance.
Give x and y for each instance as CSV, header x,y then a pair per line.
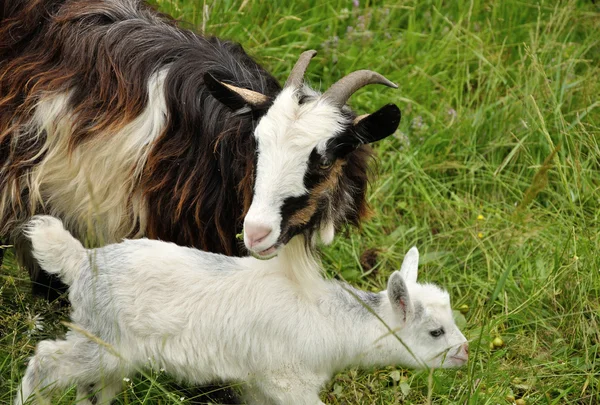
x,y
205,317
124,125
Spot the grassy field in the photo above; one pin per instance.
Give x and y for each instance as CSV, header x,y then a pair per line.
x,y
494,174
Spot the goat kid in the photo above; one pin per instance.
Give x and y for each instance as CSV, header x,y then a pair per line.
x,y
206,317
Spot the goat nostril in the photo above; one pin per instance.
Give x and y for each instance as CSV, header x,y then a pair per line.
x,y
256,233
466,348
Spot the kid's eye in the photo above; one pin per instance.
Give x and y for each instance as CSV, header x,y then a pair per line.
x,y
437,333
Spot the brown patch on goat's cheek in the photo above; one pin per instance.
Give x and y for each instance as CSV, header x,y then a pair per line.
x,y
301,217
304,215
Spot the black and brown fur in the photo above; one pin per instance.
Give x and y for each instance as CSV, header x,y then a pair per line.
x,y
198,177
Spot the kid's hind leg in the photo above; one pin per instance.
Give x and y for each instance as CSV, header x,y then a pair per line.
x,y
33,387
57,365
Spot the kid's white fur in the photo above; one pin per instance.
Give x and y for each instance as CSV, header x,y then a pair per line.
x,y
205,317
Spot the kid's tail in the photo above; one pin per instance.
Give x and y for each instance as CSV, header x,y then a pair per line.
x,y
55,249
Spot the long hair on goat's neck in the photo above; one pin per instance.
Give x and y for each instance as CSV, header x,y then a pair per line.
x,y
302,265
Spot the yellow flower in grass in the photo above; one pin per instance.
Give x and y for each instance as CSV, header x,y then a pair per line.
x,y
480,235
480,217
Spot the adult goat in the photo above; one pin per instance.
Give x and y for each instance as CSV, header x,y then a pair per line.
x,y
124,125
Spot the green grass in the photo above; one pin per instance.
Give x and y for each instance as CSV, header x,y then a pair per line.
x,y
494,174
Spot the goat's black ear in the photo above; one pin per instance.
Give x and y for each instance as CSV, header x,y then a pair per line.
x,y
366,129
381,124
236,98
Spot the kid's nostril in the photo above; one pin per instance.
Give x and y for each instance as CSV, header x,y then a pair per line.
x,y
466,348
256,233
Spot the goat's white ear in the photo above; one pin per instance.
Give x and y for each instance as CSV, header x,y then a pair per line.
x,y
327,233
399,296
410,265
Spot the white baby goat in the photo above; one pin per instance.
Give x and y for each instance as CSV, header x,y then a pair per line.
x,y
205,317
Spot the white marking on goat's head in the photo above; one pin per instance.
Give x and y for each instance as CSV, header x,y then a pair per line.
x,y
310,169
422,319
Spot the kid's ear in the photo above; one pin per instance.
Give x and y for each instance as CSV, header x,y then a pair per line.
x,y
236,98
398,295
410,265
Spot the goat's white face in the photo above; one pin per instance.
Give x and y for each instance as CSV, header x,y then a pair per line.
x,y
422,318
310,167
286,137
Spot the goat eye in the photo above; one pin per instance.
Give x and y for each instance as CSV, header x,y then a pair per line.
x,y
437,333
325,164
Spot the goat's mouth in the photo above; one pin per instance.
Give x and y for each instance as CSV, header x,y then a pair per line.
x,y
267,253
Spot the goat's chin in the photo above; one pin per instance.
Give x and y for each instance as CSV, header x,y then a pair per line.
x,y
266,254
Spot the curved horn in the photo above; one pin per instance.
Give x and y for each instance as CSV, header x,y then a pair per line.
x,y
250,96
296,77
341,90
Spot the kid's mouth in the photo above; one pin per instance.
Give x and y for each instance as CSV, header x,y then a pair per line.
x,y
460,359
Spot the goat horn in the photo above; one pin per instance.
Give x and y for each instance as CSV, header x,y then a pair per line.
x,y
341,90
250,96
296,77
